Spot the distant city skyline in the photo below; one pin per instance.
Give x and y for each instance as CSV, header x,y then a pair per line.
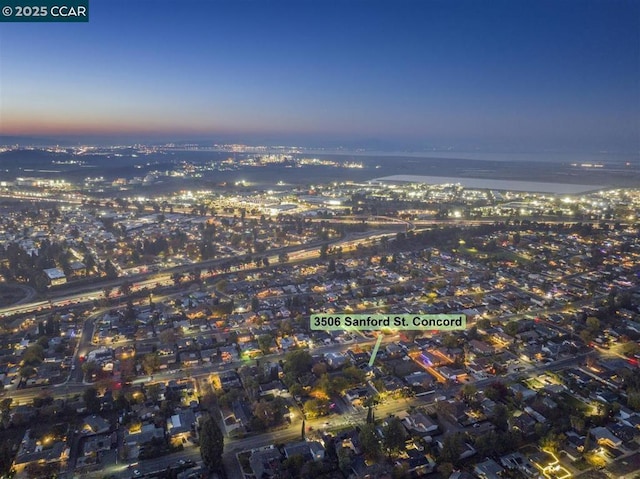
x,y
494,76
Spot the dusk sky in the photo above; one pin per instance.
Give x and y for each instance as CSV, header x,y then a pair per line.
x,y
502,75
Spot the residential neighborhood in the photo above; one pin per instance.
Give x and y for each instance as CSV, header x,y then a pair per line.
x,y
328,239
149,329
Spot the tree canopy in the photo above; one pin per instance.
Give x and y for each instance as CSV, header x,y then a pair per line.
x,y
91,399
211,444
298,362
369,441
394,436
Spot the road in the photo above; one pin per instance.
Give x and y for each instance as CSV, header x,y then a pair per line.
x,y
87,293
288,434
393,407
30,293
75,384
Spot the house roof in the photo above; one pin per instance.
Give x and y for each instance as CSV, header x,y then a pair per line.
x,y
304,448
181,422
31,451
525,391
420,422
96,424
489,469
601,433
272,386
54,273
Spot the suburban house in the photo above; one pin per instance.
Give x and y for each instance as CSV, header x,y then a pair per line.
x,y
488,469
309,450
39,450
95,425
181,425
420,423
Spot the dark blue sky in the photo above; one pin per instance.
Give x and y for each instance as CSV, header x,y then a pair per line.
x,y
502,75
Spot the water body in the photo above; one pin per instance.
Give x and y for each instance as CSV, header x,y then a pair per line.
x,y
618,173
486,184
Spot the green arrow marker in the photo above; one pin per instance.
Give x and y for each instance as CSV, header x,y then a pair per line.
x,y
375,350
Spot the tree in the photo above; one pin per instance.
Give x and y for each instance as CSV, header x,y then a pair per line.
x,y
293,465
90,368
152,392
445,469
319,369
130,311
394,436
483,323
264,343
5,407
168,336
317,469
196,274
176,278
552,441
630,348
595,460
486,444
332,266
6,457
354,375
500,417
512,328
587,442
344,459
106,291
401,471
369,441
496,391
451,448
27,371
586,335
450,341
298,362
211,444
91,400
89,261
314,408
33,355
150,363
325,384
265,414
255,304
412,334
110,270
472,333
593,324
296,389
633,399
577,422
468,392
126,288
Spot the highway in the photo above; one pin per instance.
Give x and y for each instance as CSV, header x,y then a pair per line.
x,y
74,385
87,293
